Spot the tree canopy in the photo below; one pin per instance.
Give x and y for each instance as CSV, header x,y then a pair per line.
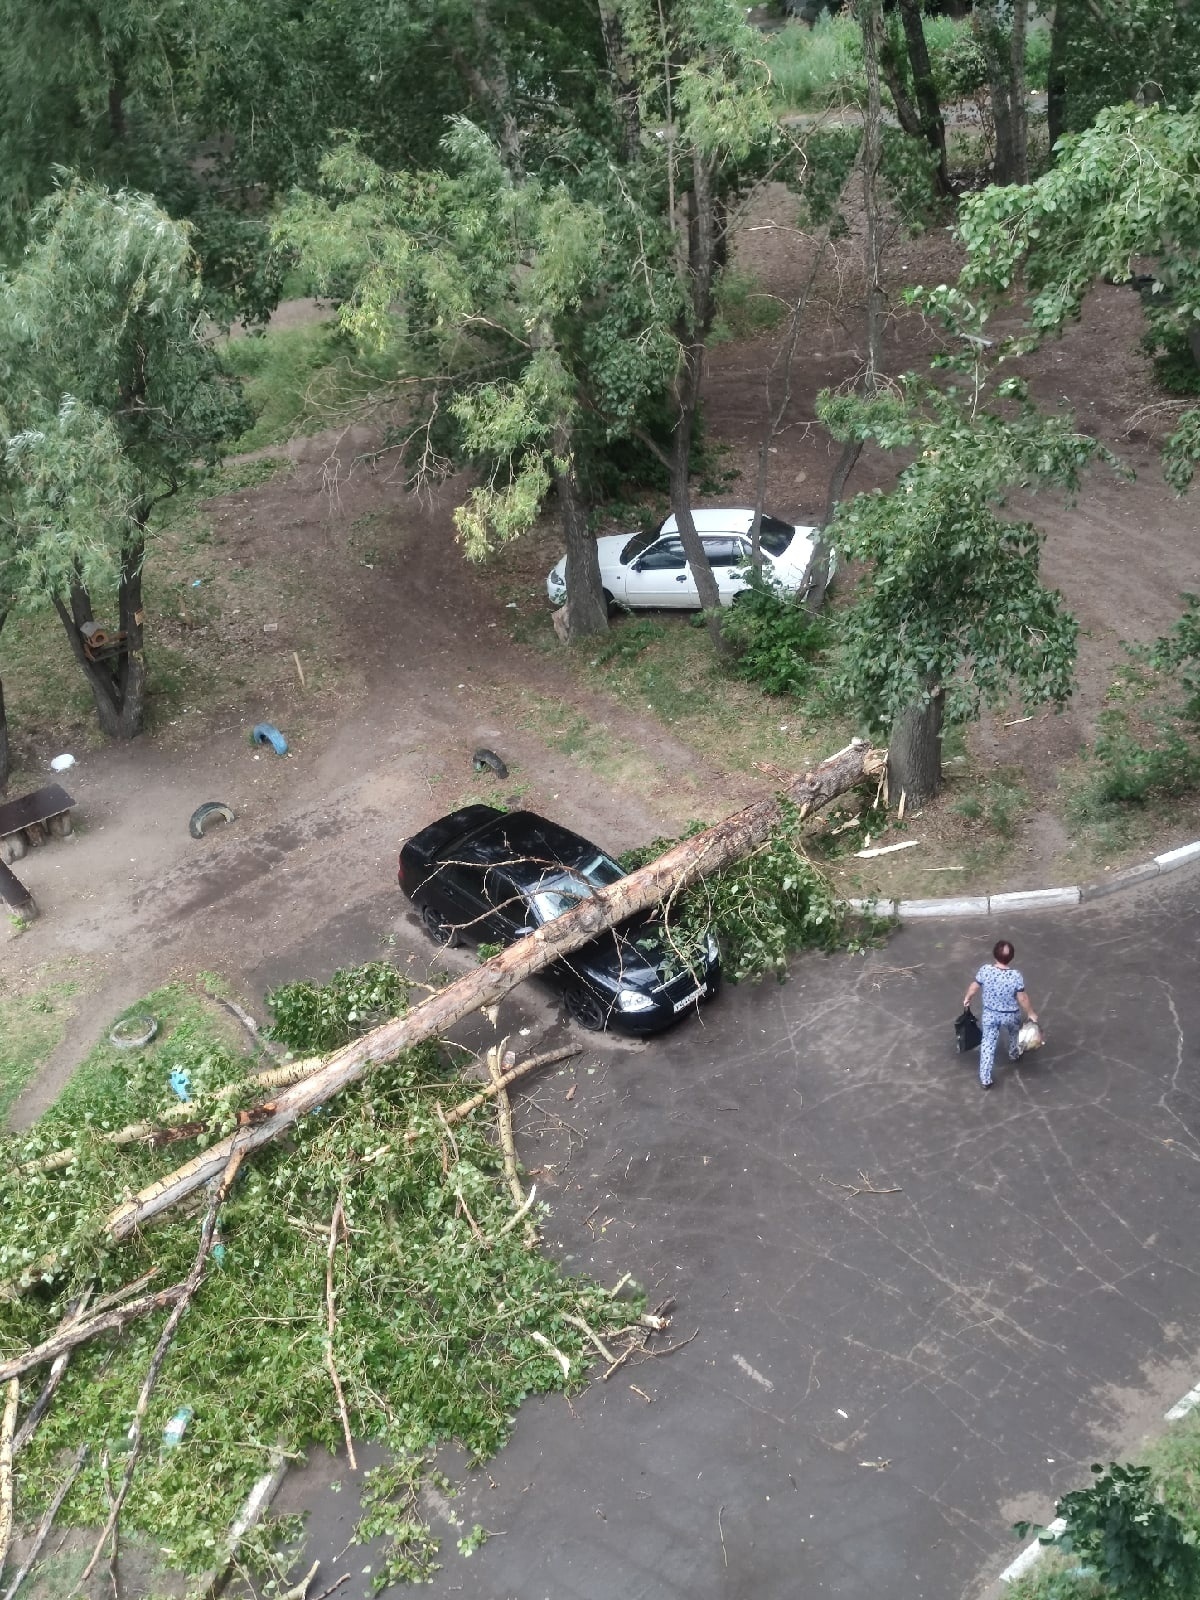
x,y
113,401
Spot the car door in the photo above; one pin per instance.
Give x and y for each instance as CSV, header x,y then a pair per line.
x,y
660,576
726,556
461,898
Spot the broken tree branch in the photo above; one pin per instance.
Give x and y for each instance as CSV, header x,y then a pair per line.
x,y
191,1284
687,861
77,1333
8,1426
339,1221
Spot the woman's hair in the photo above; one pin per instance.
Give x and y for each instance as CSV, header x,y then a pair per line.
x,y
1003,952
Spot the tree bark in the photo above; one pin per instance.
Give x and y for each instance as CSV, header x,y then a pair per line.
x,y
915,752
1018,99
820,562
1006,84
684,863
872,153
5,754
587,610
932,123
704,251
1056,74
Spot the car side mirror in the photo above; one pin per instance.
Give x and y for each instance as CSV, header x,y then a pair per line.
x,y
522,933
639,566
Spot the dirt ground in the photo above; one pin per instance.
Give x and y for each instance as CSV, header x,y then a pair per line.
x,y
413,661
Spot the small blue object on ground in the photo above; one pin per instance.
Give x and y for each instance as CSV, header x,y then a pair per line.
x,y
265,733
181,1084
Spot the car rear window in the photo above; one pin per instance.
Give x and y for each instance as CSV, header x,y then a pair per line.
x,y
775,535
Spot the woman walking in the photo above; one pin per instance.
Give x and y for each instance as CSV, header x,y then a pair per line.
x,y
1004,999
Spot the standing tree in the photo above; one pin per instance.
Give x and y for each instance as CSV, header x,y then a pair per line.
x,y
113,401
1000,27
949,614
518,305
1123,190
904,59
702,90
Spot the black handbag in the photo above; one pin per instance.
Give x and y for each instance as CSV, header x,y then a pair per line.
x,y
967,1033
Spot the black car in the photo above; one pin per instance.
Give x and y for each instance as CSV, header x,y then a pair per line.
x,y
491,876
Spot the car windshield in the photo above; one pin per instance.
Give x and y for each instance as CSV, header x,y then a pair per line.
x,y
559,892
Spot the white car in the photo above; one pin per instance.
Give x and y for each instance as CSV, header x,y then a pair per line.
x,y
650,569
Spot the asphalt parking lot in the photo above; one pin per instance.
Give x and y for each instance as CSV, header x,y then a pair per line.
x,y
919,1310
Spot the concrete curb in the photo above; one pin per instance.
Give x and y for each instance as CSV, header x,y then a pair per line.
x,y
1074,894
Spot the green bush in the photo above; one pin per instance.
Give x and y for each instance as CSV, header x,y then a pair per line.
x,y
776,640
1126,1536
312,1018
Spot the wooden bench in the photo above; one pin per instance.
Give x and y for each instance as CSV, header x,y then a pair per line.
x,y
34,817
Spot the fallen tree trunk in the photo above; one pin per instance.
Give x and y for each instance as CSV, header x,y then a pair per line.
x,y
691,859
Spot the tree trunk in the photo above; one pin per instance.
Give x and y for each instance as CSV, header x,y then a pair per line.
x,y
587,611
932,123
820,562
1056,75
5,757
871,13
704,251
1018,98
118,683
915,753
1010,117
685,863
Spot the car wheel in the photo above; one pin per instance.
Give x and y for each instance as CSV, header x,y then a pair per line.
x,y
438,929
586,1009
611,608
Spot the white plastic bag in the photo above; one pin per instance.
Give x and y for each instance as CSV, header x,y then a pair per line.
x,y
1030,1037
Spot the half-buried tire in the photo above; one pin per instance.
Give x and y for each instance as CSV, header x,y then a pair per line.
x,y
489,761
204,814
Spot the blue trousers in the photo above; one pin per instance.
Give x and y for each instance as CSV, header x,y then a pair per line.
x,y
993,1021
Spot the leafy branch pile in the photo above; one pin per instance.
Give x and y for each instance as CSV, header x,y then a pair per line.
x,y
444,1321
762,908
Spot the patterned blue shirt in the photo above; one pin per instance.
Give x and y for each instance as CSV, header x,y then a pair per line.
x,y
1001,986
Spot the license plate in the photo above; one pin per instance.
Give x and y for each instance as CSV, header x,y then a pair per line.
x,y
689,1000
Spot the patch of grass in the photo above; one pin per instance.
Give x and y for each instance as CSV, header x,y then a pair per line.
x,y
812,68
744,309
996,804
30,1027
110,1087
675,676
298,380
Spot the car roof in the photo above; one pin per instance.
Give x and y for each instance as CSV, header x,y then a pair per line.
x,y
526,844
717,520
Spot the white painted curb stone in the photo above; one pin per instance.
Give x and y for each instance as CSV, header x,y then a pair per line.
x,y
1031,1554
982,905
1035,899
1176,858
963,906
